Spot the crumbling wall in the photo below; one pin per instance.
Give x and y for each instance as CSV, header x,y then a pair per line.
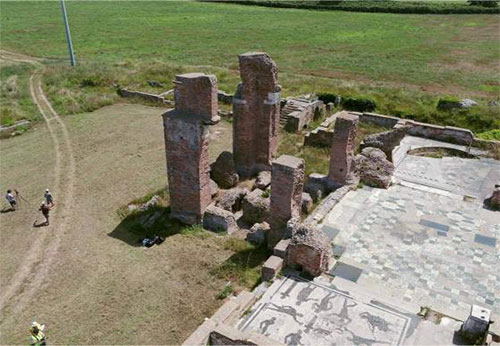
x,y
186,145
256,108
309,250
287,184
342,152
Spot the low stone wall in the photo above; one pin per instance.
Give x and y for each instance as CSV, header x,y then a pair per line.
x,y
322,135
440,133
327,204
145,96
377,119
299,119
8,131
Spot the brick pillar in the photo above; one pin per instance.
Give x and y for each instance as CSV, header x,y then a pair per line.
x,y
186,145
287,183
256,109
342,152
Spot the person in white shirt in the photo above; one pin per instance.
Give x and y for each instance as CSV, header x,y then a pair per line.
x,y
49,198
11,199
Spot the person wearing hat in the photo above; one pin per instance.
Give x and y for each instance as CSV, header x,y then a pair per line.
x,y
37,336
49,198
11,199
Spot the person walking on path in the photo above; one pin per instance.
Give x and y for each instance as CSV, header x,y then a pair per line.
x,y
11,199
48,198
45,209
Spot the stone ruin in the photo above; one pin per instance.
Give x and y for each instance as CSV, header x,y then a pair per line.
x,y
309,250
342,152
186,144
256,108
385,141
373,168
287,183
299,112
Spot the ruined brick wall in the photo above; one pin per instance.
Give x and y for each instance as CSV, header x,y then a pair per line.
x,y
309,250
256,109
342,152
186,144
196,93
287,184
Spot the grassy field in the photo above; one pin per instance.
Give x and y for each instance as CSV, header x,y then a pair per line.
x,y
404,62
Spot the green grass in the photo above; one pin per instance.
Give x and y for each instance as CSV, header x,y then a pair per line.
x,y
15,99
492,135
404,62
244,267
317,160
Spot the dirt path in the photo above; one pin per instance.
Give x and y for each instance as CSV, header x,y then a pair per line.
x,y
31,275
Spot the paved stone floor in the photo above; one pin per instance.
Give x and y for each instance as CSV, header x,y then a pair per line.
x,y
429,248
298,312
472,177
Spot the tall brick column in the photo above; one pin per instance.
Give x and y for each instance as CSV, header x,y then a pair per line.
x,y
287,183
186,145
342,152
256,109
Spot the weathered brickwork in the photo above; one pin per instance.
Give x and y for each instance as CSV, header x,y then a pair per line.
x,y
287,185
342,152
186,145
256,108
196,93
309,250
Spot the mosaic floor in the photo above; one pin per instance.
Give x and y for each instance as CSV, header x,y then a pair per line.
x,y
298,312
434,250
472,177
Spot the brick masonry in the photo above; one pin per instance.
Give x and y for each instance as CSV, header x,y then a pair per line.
x,y
343,143
256,108
287,184
186,144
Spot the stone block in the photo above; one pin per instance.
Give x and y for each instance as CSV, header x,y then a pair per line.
x,y
196,93
315,190
223,171
309,250
385,141
219,220
258,233
271,268
343,143
255,207
214,188
373,168
256,109
231,199
307,203
280,248
263,180
287,185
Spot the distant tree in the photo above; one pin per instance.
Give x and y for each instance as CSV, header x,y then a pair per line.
x,y
484,3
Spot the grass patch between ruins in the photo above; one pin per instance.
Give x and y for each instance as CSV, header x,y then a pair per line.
x,y
318,159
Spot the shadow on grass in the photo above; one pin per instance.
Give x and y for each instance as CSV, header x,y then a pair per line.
x,y
138,225
7,210
244,266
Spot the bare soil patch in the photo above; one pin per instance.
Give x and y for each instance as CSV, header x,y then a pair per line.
x,y
100,289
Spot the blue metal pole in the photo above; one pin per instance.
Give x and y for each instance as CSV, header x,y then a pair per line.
x,y
68,34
